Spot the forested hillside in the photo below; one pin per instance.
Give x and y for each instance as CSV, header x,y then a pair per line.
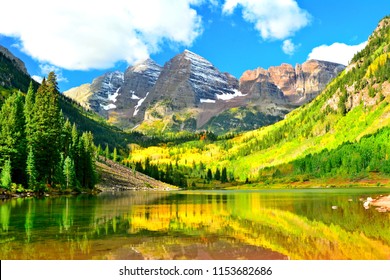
x,y
343,133
104,134
352,106
12,78
39,149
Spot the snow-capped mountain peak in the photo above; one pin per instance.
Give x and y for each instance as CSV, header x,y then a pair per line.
x,y
206,80
146,65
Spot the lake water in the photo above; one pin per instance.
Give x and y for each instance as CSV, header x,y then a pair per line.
x,y
271,224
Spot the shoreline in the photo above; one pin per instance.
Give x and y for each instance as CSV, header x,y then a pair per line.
x,y
382,203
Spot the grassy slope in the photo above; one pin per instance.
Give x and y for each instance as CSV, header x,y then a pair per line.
x,y
309,129
114,176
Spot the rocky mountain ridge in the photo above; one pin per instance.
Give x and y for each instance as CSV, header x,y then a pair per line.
x,y
13,74
298,85
18,63
189,91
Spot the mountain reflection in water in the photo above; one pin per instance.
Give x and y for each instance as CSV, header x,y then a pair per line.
x,y
273,224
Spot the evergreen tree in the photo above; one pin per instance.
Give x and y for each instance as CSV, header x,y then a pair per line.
x,y
31,170
46,135
5,175
224,178
69,173
99,151
115,155
79,162
35,142
88,160
59,178
52,85
12,136
147,166
217,175
29,112
75,150
138,167
201,166
66,139
209,175
107,152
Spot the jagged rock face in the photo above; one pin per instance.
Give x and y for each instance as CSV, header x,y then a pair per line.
x,y
118,96
173,84
188,80
139,79
297,85
189,91
105,92
207,81
312,78
138,82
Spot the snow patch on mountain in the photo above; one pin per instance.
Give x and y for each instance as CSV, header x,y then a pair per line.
x,y
228,96
207,100
133,96
112,97
108,107
206,80
136,108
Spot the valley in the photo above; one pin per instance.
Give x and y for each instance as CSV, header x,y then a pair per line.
x,y
183,161
352,107
192,115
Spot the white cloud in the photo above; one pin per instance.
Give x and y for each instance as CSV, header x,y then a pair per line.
x,y
289,47
37,78
337,52
81,35
274,19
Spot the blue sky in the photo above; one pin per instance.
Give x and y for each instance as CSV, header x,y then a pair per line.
x,y
83,39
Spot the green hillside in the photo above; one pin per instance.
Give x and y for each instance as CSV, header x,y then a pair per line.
x,y
239,120
12,78
353,105
104,134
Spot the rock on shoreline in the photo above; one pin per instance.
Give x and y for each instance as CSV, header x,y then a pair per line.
x,y
383,203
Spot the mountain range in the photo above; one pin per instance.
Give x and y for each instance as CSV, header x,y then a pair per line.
x,y
343,132
340,137
190,93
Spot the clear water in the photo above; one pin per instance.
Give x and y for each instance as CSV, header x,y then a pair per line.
x,y
271,224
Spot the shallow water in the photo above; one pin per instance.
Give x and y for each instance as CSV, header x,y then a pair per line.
x,y
266,224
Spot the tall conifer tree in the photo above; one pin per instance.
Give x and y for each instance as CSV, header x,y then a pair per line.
x,y
88,159
5,175
46,135
69,173
29,112
32,174
12,136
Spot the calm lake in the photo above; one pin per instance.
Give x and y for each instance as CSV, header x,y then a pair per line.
x,y
265,224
